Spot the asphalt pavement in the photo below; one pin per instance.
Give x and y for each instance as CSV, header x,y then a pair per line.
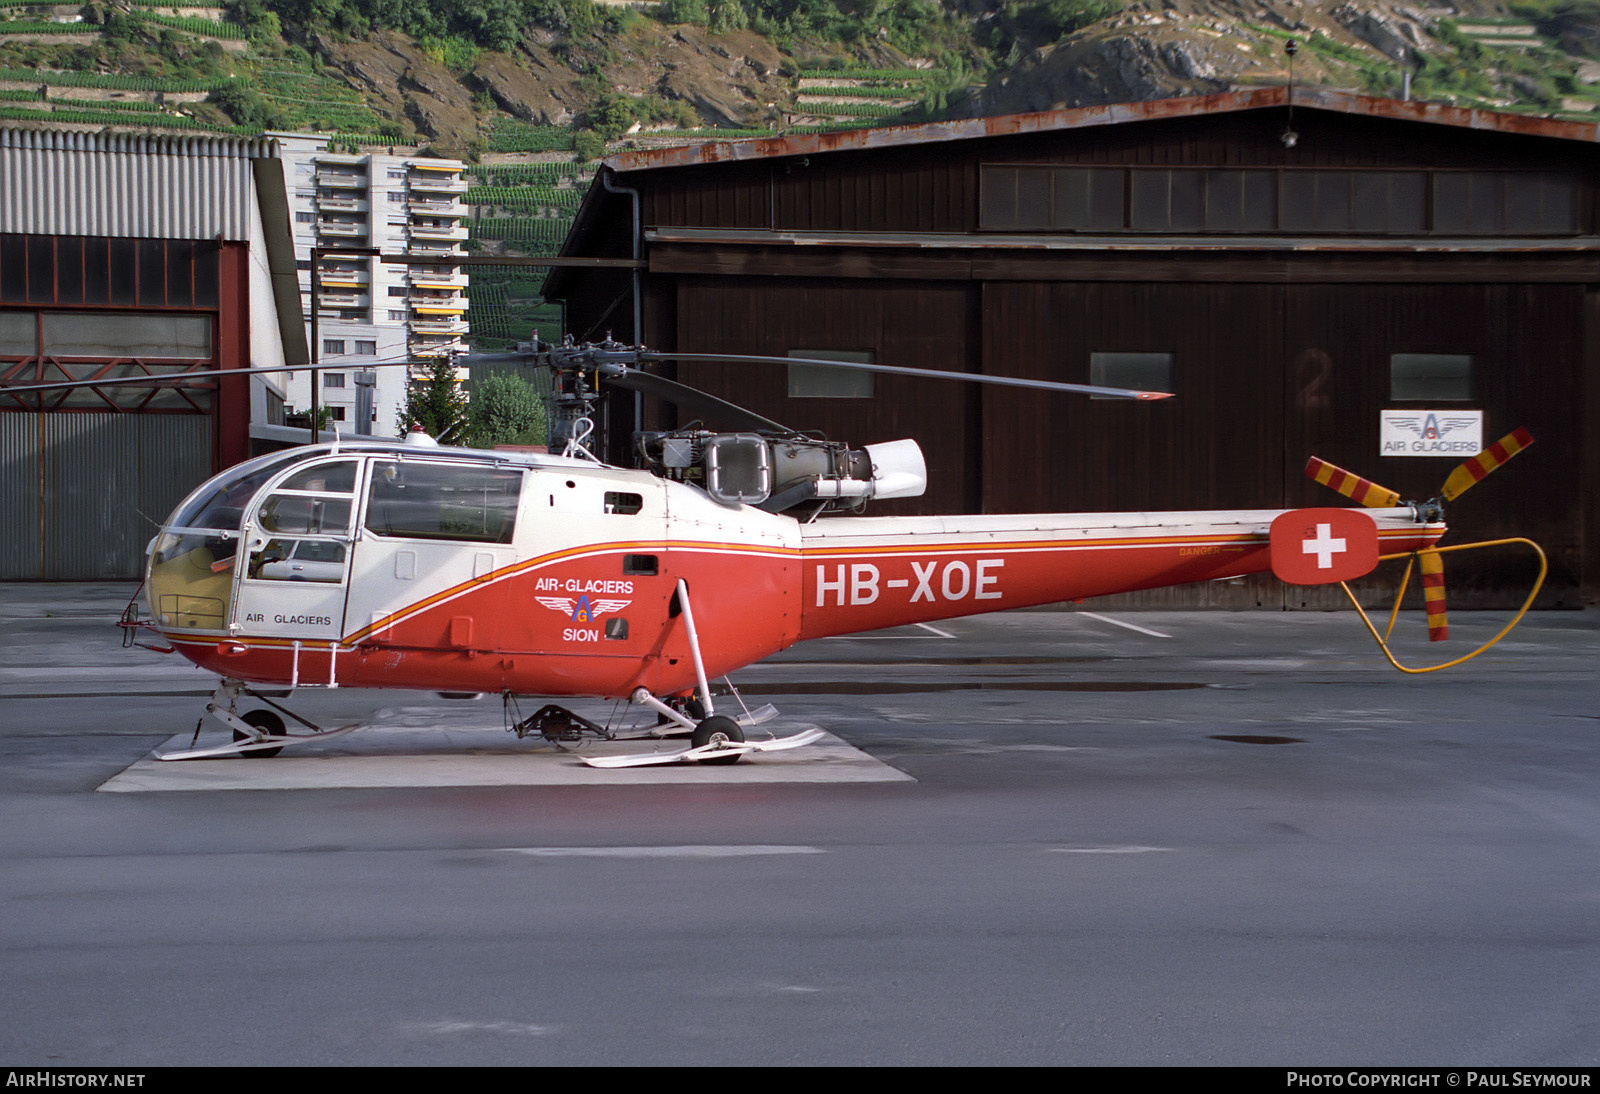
x,y
1034,838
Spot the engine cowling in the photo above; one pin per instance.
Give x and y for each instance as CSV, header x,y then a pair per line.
x,y
782,473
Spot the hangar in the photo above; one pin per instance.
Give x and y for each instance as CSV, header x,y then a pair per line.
x,y
133,255
1290,268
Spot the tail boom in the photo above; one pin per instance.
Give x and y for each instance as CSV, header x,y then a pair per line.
x,y
865,574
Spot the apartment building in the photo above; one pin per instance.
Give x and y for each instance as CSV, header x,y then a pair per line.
x,y
373,314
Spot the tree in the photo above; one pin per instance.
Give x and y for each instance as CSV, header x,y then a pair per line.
x,y
505,409
588,145
436,403
248,108
686,11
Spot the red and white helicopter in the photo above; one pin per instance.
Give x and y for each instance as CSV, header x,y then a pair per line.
x,y
379,564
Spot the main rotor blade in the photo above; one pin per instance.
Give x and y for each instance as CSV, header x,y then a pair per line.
x,y
927,373
1355,487
180,379
691,399
1470,473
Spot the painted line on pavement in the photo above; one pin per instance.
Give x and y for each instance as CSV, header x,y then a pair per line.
x,y
1129,850
684,851
1130,626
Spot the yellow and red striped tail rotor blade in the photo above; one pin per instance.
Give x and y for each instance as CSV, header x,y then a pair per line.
x,y
1433,595
1365,491
1464,477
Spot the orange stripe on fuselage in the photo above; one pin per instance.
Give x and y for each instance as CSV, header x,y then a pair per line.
x,y
554,557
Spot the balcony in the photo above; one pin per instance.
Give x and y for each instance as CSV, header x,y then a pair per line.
x,y
451,284
455,327
342,203
462,375
436,208
436,182
343,229
341,300
344,279
347,180
437,232
443,349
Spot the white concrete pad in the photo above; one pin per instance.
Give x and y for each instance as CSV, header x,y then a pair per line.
x,y
409,747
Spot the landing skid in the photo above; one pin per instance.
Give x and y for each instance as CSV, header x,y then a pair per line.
x,y
717,752
567,729
257,734
267,744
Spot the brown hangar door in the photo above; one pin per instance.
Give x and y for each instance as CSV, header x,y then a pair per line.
x,y
1515,353
922,324
1266,376
1218,445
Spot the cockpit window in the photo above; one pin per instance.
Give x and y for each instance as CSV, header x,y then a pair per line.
x,y
305,515
314,500
192,561
472,502
221,502
324,478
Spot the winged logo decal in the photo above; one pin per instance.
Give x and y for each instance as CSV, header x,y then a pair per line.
x,y
1432,427
582,609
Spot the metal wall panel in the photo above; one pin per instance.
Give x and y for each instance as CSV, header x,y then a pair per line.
x,y
19,496
56,183
91,483
923,190
174,457
934,187
107,480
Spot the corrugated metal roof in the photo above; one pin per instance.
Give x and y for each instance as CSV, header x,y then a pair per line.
x,y
1111,114
54,182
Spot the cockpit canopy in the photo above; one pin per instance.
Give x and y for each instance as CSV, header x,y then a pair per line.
x,y
295,513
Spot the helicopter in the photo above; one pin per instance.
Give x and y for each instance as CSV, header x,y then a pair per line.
x,y
410,564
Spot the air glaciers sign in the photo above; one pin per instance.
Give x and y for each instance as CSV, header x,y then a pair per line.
x,y
1457,433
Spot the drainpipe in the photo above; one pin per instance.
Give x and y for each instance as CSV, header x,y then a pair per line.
x,y
606,175
316,346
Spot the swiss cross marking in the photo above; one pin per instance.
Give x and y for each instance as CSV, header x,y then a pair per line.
x,y
1324,546
1321,546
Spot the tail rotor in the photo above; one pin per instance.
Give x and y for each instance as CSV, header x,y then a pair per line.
x,y
1430,560
1357,489
1479,467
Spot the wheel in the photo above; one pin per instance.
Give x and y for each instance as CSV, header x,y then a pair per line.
x,y
267,722
718,729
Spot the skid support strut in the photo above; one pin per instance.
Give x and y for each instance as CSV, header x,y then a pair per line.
x,y
643,697
714,738
257,733
694,647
